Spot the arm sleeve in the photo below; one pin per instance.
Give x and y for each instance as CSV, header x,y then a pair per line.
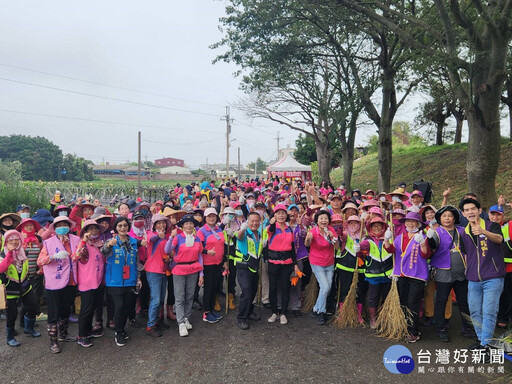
x,y
43,258
4,264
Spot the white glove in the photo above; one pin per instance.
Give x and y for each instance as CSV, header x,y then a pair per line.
x,y
60,255
225,220
241,200
363,215
244,226
414,208
230,232
388,234
357,247
419,238
430,233
382,198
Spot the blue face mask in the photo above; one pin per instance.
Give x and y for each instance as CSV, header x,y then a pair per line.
x,y
239,213
62,231
63,213
25,215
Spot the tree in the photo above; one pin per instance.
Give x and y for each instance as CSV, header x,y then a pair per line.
x,y
77,168
261,165
40,158
472,42
305,152
10,171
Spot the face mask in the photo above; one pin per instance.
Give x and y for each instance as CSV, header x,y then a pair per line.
x,y
24,215
413,230
94,237
8,227
138,224
62,231
239,213
261,213
250,204
63,213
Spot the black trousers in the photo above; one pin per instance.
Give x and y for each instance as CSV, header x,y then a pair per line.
x,y
377,293
345,281
59,303
505,311
212,276
279,279
144,293
29,302
249,285
99,305
170,291
90,301
443,293
123,298
411,292
232,277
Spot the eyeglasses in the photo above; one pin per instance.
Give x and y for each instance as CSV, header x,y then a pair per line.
x,y
122,225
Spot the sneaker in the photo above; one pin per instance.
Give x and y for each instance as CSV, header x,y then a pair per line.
x,y
443,335
321,319
42,317
427,321
313,314
125,335
468,332
243,325
254,317
209,318
197,305
412,338
183,329
153,332
188,325
84,342
135,324
96,332
119,339
217,315
283,320
476,345
111,324
273,318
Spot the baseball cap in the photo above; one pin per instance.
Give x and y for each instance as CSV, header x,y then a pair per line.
x,y
497,209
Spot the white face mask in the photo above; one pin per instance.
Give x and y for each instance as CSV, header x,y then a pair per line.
x,y
189,242
250,204
63,213
412,230
24,215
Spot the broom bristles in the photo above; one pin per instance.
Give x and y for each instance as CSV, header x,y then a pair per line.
x,y
347,315
310,295
393,319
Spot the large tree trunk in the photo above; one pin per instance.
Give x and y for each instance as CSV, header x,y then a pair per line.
x,y
385,153
323,154
347,153
459,120
439,133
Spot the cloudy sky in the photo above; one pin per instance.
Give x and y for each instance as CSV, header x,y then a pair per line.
x,y
89,75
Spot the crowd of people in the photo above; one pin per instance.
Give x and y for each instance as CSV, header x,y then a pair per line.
x,y
252,242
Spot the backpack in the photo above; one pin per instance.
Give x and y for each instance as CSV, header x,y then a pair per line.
x,y
426,189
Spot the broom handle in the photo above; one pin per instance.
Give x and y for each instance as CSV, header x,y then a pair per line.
x,y
227,277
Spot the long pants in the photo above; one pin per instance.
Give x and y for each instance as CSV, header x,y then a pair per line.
x,y
429,299
232,277
324,277
90,300
98,311
377,293
279,278
411,291
212,277
443,295
59,303
157,286
345,281
249,285
144,292
184,287
505,311
37,282
170,290
123,302
296,290
110,307
29,302
484,301
265,284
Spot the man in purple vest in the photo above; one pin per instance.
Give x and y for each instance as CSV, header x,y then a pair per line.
x,y
485,270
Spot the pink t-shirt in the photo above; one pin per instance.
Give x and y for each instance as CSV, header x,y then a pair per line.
x,y
321,252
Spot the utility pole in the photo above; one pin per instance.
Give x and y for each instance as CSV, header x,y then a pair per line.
x,y
139,188
238,163
228,120
278,139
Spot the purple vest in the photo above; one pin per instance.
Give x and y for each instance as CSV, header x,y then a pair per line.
x,y
300,249
409,263
58,272
90,274
441,258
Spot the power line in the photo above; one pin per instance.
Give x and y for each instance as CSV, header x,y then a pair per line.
x,y
107,97
101,121
180,143
110,86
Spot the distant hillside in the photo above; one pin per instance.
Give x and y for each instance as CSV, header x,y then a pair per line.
x,y
444,166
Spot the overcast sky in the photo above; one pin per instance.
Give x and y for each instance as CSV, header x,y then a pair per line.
x,y
158,48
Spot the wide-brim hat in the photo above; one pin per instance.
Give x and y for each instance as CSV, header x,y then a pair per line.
x,y
336,219
186,219
61,208
132,204
160,217
370,203
16,219
228,210
348,205
36,224
397,193
173,212
354,218
450,208
413,216
43,216
80,210
425,207
377,219
87,223
60,219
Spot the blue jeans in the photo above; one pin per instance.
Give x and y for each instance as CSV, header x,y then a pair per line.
x,y
157,285
484,301
324,277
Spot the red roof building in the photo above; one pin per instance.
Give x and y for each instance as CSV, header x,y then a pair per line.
x,y
169,161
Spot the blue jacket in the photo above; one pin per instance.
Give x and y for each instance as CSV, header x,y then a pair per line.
x,y
116,262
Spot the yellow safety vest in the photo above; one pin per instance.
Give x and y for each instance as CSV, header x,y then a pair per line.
x,y
349,254
506,240
377,256
13,276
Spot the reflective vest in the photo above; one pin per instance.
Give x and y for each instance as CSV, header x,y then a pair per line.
x,y
379,263
507,253
251,259
15,282
347,260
